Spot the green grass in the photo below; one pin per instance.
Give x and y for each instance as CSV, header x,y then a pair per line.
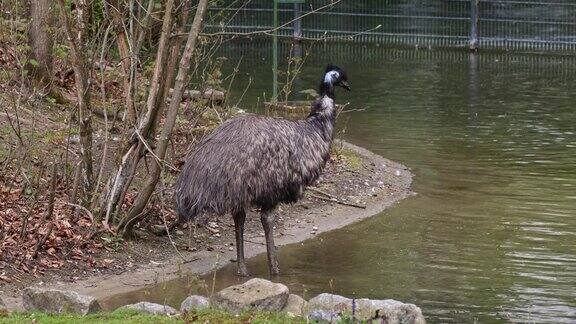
x,y
352,160
129,316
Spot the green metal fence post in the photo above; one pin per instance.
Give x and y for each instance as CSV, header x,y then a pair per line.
x,y
473,46
297,22
275,55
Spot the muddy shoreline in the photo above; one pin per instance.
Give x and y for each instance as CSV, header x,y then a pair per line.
x,y
389,183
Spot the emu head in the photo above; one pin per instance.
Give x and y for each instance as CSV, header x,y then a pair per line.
x,y
334,76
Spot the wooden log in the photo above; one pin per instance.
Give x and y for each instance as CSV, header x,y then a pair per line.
x,y
212,95
290,109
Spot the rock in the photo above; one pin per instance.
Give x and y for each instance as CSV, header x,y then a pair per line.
x,y
319,315
194,302
151,308
253,294
295,305
74,139
2,305
330,302
390,310
55,301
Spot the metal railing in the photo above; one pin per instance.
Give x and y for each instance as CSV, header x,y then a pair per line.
x,y
523,25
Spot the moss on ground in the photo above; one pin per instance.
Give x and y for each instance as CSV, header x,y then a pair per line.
x,y
352,160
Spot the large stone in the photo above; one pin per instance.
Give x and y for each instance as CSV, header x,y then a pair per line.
x,y
2,305
295,305
151,308
389,310
330,302
320,315
253,294
194,302
58,301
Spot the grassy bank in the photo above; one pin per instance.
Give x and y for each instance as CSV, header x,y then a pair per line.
x,y
129,316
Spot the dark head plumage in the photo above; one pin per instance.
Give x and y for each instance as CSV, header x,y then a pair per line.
x,y
333,76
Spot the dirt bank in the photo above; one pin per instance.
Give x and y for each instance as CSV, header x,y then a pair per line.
x,y
363,183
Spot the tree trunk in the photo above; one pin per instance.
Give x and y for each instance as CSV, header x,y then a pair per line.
x,y
143,197
40,41
81,77
134,148
175,50
128,75
126,60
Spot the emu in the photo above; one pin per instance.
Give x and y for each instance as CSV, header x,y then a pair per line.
x,y
254,160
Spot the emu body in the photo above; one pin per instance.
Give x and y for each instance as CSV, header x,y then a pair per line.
x,y
253,160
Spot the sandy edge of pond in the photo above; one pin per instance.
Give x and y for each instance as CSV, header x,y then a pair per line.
x,y
203,262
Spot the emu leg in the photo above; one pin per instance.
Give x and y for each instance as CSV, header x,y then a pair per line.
x,y
239,218
267,217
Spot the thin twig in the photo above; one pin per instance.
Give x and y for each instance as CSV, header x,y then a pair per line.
x,y
43,240
88,213
271,30
27,216
338,201
322,192
158,160
170,238
253,242
52,194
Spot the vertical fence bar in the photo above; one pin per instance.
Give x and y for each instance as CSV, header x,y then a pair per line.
x,y
473,46
275,54
297,22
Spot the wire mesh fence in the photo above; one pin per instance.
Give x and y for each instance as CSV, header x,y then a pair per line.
x,y
525,25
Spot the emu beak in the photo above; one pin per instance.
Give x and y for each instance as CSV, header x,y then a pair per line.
x,y
345,85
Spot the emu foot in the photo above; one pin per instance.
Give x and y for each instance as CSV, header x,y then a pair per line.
x,y
243,270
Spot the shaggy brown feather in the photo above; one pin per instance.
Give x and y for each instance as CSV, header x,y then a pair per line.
x,y
255,160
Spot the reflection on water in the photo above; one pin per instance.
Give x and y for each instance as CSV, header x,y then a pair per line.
x,y
492,140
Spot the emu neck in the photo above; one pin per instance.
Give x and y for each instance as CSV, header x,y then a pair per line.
x,y
326,89
323,116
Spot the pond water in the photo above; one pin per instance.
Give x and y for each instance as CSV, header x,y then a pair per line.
x,y
491,235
